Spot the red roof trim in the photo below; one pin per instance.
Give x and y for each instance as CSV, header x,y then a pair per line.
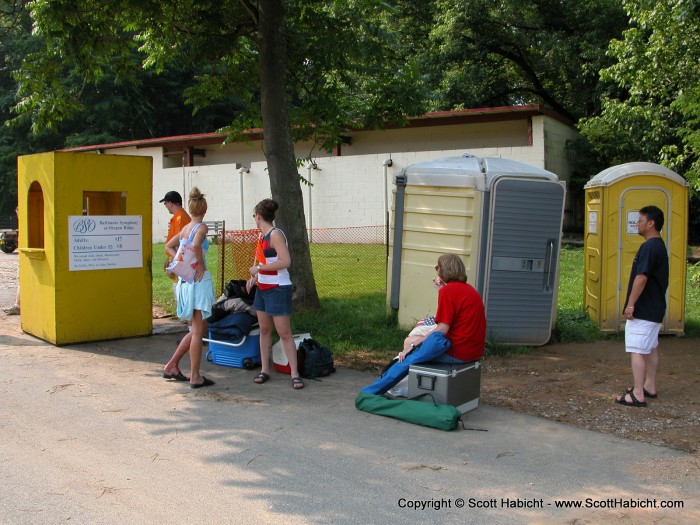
x,y
435,118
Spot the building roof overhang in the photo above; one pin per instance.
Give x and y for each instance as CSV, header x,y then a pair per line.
x,y
436,118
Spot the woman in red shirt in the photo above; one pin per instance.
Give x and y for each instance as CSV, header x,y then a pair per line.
x,y
460,334
460,315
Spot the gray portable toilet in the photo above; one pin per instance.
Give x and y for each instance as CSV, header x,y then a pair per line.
x,y
503,218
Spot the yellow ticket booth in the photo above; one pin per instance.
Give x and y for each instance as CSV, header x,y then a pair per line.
x,y
613,200
85,246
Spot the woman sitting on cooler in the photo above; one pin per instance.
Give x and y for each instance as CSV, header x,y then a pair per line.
x,y
460,335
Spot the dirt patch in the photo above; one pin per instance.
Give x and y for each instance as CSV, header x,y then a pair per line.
x,y
363,360
577,383
159,313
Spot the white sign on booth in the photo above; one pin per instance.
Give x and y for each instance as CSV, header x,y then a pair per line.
x,y
592,222
105,242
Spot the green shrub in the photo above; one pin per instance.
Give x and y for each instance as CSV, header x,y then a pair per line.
x,y
692,301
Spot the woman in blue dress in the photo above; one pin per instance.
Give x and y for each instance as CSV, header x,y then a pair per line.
x,y
195,299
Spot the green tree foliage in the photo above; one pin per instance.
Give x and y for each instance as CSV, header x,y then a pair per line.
x,y
14,42
312,67
110,110
654,114
481,53
652,111
113,98
344,67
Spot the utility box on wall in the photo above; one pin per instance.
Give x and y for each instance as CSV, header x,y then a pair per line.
x,y
503,218
613,200
85,246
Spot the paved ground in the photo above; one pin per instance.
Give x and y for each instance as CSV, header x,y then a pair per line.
x,y
91,433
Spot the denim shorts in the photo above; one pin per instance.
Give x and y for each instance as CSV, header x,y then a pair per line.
x,y
274,301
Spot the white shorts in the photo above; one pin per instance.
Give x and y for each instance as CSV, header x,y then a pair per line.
x,y
641,337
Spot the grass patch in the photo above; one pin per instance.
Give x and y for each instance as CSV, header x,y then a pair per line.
x,y
692,302
353,319
573,325
494,348
349,325
349,270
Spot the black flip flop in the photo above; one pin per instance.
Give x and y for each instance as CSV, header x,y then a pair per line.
x,y
634,403
262,376
206,382
177,377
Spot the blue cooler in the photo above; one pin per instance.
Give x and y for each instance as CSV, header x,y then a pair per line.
x,y
241,353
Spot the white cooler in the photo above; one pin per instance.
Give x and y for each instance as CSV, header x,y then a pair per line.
x,y
279,358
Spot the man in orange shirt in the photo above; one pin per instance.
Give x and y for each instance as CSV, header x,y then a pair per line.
x,y
173,203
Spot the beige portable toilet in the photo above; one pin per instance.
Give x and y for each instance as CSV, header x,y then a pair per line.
x,y
503,218
85,246
613,200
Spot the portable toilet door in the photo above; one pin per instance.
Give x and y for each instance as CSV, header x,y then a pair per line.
x,y
523,249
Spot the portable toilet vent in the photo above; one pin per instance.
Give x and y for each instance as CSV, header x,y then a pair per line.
x,y
503,218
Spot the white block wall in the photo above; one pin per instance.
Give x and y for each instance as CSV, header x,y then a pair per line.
x,y
348,190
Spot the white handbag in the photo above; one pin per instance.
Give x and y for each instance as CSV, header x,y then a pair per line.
x,y
184,263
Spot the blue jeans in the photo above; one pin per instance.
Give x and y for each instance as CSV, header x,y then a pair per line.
x,y
431,349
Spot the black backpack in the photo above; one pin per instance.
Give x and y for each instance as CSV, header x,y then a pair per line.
x,y
236,288
318,359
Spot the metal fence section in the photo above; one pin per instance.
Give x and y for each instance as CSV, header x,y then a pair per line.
x,y
236,255
215,227
347,262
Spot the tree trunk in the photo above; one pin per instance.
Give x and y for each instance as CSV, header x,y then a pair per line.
x,y
279,149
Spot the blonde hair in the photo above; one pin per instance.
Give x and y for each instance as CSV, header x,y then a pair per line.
x,y
197,204
451,268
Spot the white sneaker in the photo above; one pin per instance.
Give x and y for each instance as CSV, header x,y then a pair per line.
x,y
12,310
400,389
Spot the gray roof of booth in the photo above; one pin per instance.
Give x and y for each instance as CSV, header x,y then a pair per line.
x,y
468,171
633,169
